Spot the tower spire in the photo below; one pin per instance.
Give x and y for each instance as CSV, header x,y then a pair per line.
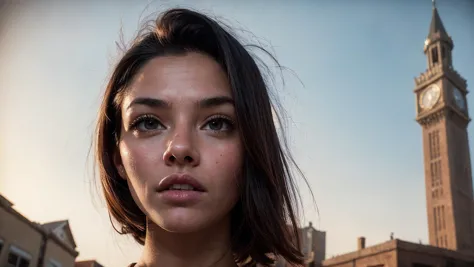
x,y
437,29
437,33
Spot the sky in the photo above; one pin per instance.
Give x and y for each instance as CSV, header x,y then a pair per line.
x,y
347,91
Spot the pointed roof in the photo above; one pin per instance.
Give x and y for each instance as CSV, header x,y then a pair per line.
x,y
436,25
55,227
437,30
51,226
5,202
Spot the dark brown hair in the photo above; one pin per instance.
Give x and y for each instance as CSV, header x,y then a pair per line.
x,y
264,220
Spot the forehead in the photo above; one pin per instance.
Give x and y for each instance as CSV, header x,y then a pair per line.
x,y
190,76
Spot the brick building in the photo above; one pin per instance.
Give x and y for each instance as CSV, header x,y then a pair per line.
x,y
398,253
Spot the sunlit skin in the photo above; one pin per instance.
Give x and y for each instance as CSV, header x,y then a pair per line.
x,y
178,117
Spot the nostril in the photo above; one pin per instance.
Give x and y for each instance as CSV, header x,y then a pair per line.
x,y
172,159
188,159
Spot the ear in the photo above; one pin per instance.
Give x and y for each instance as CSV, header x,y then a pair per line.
x,y
118,164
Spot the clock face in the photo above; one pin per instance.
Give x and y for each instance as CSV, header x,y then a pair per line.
x,y
459,98
430,97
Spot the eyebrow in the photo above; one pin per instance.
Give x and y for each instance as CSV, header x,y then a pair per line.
x,y
151,102
215,101
203,103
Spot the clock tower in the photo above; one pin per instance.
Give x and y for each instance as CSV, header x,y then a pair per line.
x,y
442,112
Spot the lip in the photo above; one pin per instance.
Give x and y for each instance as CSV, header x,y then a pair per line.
x,y
180,178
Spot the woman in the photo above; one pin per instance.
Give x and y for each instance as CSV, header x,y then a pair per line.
x,y
188,154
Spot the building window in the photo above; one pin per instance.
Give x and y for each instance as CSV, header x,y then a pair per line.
x,y
434,143
430,144
440,181
433,175
443,217
435,160
18,258
53,263
435,169
440,219
434,54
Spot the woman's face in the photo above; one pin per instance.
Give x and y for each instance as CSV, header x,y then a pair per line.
x,y
179,145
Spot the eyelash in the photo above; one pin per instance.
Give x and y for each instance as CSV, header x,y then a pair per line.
x,y
231,124
226,119
137,121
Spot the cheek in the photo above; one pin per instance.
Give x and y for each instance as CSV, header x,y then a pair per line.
x,y
140,160
227,165
138,155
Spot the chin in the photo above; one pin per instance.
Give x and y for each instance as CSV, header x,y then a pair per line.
x,y
182,220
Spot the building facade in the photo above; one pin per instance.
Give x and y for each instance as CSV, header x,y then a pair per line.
x,y
24,243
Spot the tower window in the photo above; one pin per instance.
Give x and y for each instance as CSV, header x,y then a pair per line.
x,y
443,217
434,55
436,143
439,218
433,140
435,171
433,175
430,141
440,180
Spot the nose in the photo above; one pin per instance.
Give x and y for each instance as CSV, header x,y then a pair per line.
x,y
181,151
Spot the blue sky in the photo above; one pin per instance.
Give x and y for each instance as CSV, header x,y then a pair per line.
x,y
348,93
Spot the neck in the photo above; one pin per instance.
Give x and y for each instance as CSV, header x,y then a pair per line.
x,y
206,248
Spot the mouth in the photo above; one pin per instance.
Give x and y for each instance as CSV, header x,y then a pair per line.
x,y
180,182
184,187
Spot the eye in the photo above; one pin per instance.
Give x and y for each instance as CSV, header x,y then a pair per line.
x,y
146,123
219,124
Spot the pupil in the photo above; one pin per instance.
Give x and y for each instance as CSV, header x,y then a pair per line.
x,y
150,124
216,125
